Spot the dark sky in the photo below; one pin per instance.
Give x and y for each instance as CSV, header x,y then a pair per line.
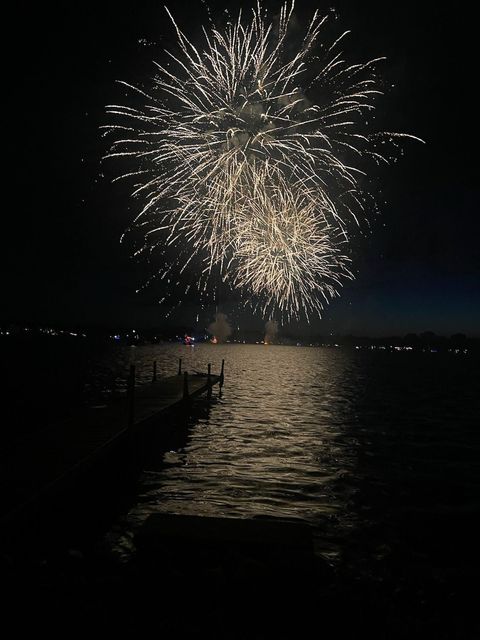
x,y
417,270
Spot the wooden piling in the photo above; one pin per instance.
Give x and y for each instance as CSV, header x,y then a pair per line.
x,y
209,381
131,396
222,374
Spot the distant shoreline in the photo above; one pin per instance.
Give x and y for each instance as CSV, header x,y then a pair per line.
x,y
426,341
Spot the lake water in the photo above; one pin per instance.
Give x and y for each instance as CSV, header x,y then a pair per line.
x,y
378,451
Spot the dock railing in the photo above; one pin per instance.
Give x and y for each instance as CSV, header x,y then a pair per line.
x,y
184,386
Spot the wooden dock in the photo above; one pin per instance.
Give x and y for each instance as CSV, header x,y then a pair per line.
x,y
269,544
49,463
219,554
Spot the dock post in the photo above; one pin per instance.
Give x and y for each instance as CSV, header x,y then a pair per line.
x,y
209,381
222,374
154,376
179,366
185,386
131,396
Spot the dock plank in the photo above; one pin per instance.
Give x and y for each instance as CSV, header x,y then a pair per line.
x,y
256,549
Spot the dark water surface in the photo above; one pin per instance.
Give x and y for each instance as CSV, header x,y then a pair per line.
x,y
346,440
379,452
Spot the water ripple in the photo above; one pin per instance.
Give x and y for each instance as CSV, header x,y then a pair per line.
x,y
339,439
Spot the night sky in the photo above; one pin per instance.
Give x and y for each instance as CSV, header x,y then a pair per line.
x,y
418,269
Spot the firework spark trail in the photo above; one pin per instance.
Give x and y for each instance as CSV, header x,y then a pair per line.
x,y
233,114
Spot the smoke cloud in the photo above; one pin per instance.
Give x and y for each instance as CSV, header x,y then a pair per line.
x,y
271,330
220,327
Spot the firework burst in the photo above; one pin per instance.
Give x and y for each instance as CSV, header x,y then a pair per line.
x,y
232,159
287,254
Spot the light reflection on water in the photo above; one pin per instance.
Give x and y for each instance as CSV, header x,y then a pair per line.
x,y
339,439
